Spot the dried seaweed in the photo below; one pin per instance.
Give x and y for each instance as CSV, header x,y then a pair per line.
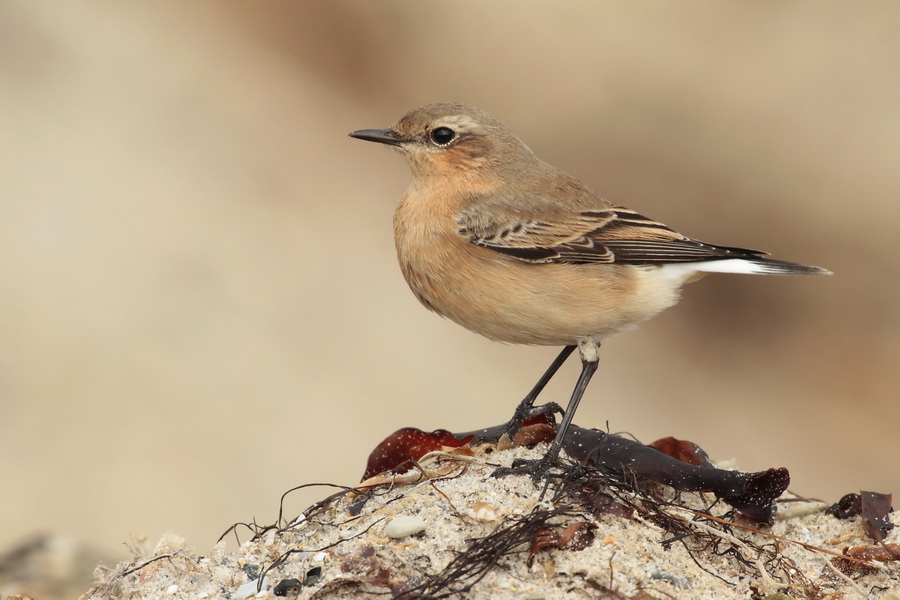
x,y
874,508
514,535
850,505
751,494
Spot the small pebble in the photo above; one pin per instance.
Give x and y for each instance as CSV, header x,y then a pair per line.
x,y
249,589
287,587
484,511
678,582
404,525
251,570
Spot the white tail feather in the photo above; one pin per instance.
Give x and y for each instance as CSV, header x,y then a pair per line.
x,y
744,266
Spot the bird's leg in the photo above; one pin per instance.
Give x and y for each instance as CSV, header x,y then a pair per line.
x,y
588,368
539,468
526,408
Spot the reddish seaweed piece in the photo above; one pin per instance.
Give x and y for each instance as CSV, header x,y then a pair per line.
x,y
683,450
576,536
409,444
875,510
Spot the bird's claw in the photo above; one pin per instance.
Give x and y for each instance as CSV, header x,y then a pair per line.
x,y
524,412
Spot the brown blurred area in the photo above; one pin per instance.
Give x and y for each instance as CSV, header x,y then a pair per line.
x,y
199,301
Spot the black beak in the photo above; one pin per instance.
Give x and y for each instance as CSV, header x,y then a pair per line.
x,y
382,136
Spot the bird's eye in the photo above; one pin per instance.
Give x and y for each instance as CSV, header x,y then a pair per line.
x,y
442,136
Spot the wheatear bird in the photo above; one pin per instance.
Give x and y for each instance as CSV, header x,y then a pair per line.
x,y
504,244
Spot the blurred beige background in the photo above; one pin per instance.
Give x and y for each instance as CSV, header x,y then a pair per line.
x,y
199,301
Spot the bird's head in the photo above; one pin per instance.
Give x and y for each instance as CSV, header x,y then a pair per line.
x,y
450,139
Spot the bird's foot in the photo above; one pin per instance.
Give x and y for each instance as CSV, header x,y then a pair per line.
x,y
525,411
544,470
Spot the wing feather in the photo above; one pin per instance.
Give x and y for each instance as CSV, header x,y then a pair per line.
x,y
615,235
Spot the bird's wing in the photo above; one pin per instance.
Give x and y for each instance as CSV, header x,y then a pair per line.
x,y
614,235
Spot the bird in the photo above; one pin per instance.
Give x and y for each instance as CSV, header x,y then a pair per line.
x,y
512,248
